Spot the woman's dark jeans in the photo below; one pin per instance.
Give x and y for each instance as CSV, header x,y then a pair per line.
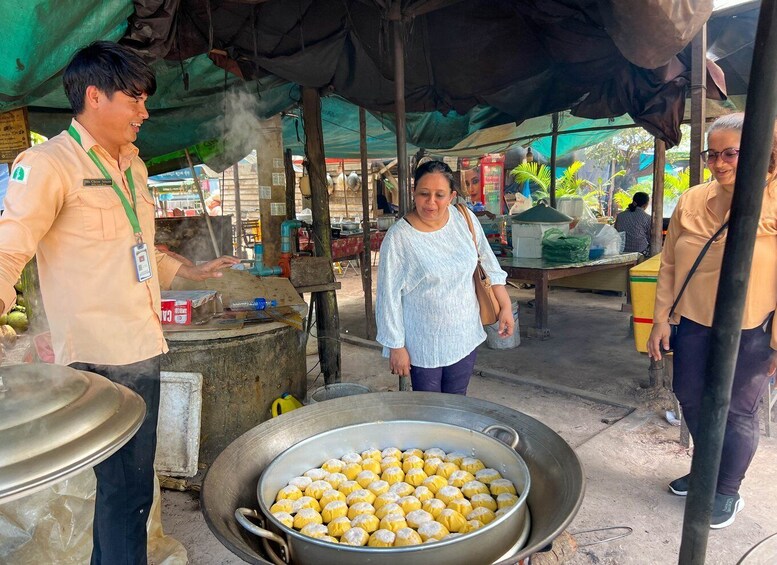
x,y
453,379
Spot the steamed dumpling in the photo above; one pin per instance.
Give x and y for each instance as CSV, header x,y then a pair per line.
x,y
448,493
471,526
352,470
393,522
378,487
392,452
500,486
412,452
306,516
339,526
407,536
415,477
471,465
360,508
472,488
455,457
355,536
371,465
446,469
431,465
382,538
314,530
371,454
365,478
393,475
482,514
307,502
487,476
417,517
435,482
336,479
330,496
284,518
483,501
402,488
432,530
460,478
333,465
452,520
433,506
388,462
367,522
316,489
283,505
461,505
385,498
434,452
506,500
348,487
412,462
316,474
330,539
351,457
390,508
300,482
289,492
409,503
423,493
335,509
361,495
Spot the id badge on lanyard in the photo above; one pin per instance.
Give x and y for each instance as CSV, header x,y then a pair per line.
x,y
142,261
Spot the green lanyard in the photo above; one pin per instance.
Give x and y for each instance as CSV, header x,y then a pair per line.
x,y
129,209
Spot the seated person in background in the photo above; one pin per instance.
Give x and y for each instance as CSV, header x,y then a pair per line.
x,y
636,223
384,204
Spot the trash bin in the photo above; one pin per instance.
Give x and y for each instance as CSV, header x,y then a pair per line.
x,y
493,341
643,278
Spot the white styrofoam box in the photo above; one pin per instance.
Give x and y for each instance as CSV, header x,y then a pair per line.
x,y
178,430
527,238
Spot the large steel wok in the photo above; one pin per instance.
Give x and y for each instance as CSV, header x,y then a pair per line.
x,y
556,474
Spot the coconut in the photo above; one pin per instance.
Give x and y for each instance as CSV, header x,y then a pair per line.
x,y
18,321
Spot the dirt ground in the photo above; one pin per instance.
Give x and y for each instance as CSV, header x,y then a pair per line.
x,y
586,384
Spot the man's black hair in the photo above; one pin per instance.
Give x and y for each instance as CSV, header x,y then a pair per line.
x,y
110,67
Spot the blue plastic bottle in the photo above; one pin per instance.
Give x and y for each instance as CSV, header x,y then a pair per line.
x,y
255,304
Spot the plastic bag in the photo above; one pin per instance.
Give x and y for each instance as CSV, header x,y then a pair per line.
x,y
609,239
560,248
521,204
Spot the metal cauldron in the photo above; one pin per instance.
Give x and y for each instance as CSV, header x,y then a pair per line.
x,y
487,544
557,483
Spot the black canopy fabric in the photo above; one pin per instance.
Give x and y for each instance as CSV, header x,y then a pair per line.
x,y
599,58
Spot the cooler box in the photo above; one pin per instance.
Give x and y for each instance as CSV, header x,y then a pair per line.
x,y
643,278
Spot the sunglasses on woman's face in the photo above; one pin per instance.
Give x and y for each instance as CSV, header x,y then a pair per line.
x,y
729,155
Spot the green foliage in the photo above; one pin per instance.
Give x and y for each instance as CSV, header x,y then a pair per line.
x,y
674,186
534,173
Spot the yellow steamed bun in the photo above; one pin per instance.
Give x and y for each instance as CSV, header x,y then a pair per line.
x,y
307,502
423,493
435,482
316,489
392,452
482,514
446,469
348,487
448,493
289,492
361,495
382,538
407,536
306,516
360,508
460,478
367,522
431,465
415,477
371,454
378,487
417,517
365,478
402,488
351,457
455,457
483,501
385,498
339,526
409,503
316,474
461,505
434,453
432,530
502,485
284,518
487,476
355,536
371,465
283,505
333,465
330,496
388,462
433,506
314,530
451,519
471,488
352,470
335,509
336,479
471,465
300,482
389,508
393,475
393,522
412,452
506,500
412,462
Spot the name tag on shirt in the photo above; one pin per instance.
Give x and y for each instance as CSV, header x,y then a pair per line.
x,y
142,263
98,182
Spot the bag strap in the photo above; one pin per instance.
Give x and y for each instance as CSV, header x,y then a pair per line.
x,y
695,266
463,210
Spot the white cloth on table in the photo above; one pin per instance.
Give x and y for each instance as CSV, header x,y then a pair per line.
x,y
426,296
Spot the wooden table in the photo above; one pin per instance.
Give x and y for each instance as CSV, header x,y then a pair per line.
x,y
540,272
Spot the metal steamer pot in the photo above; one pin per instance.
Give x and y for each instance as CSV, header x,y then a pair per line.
x,y
557,481
484,545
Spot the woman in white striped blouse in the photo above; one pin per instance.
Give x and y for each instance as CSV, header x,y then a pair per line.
x,y
427,313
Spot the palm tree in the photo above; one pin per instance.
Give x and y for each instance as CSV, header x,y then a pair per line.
x,y
674,186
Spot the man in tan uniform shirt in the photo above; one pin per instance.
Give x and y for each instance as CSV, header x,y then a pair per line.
x,y
80,203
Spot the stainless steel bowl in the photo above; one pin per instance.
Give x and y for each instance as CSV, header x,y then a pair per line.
x,y
484,545
557,485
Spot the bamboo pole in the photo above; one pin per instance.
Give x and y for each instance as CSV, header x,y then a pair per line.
x,y
366,263
327,316
698,96
657,215
238,211
553,151
399,106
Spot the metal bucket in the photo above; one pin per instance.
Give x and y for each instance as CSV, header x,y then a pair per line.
x,y
337,390
557,483
485,544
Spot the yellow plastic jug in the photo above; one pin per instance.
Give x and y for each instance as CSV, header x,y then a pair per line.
x,y
286,403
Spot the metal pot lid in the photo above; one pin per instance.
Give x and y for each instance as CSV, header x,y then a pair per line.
x,y
56,421
541,214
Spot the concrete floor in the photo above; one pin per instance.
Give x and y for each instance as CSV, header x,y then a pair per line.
x,y
584,383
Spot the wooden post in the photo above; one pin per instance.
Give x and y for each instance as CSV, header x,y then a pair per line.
x,y
659,164
291,181
238,211
272,192
366,263
395,16
327,316
698,100
553,151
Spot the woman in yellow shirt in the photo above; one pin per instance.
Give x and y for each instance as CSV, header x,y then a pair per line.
x,y
700,213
